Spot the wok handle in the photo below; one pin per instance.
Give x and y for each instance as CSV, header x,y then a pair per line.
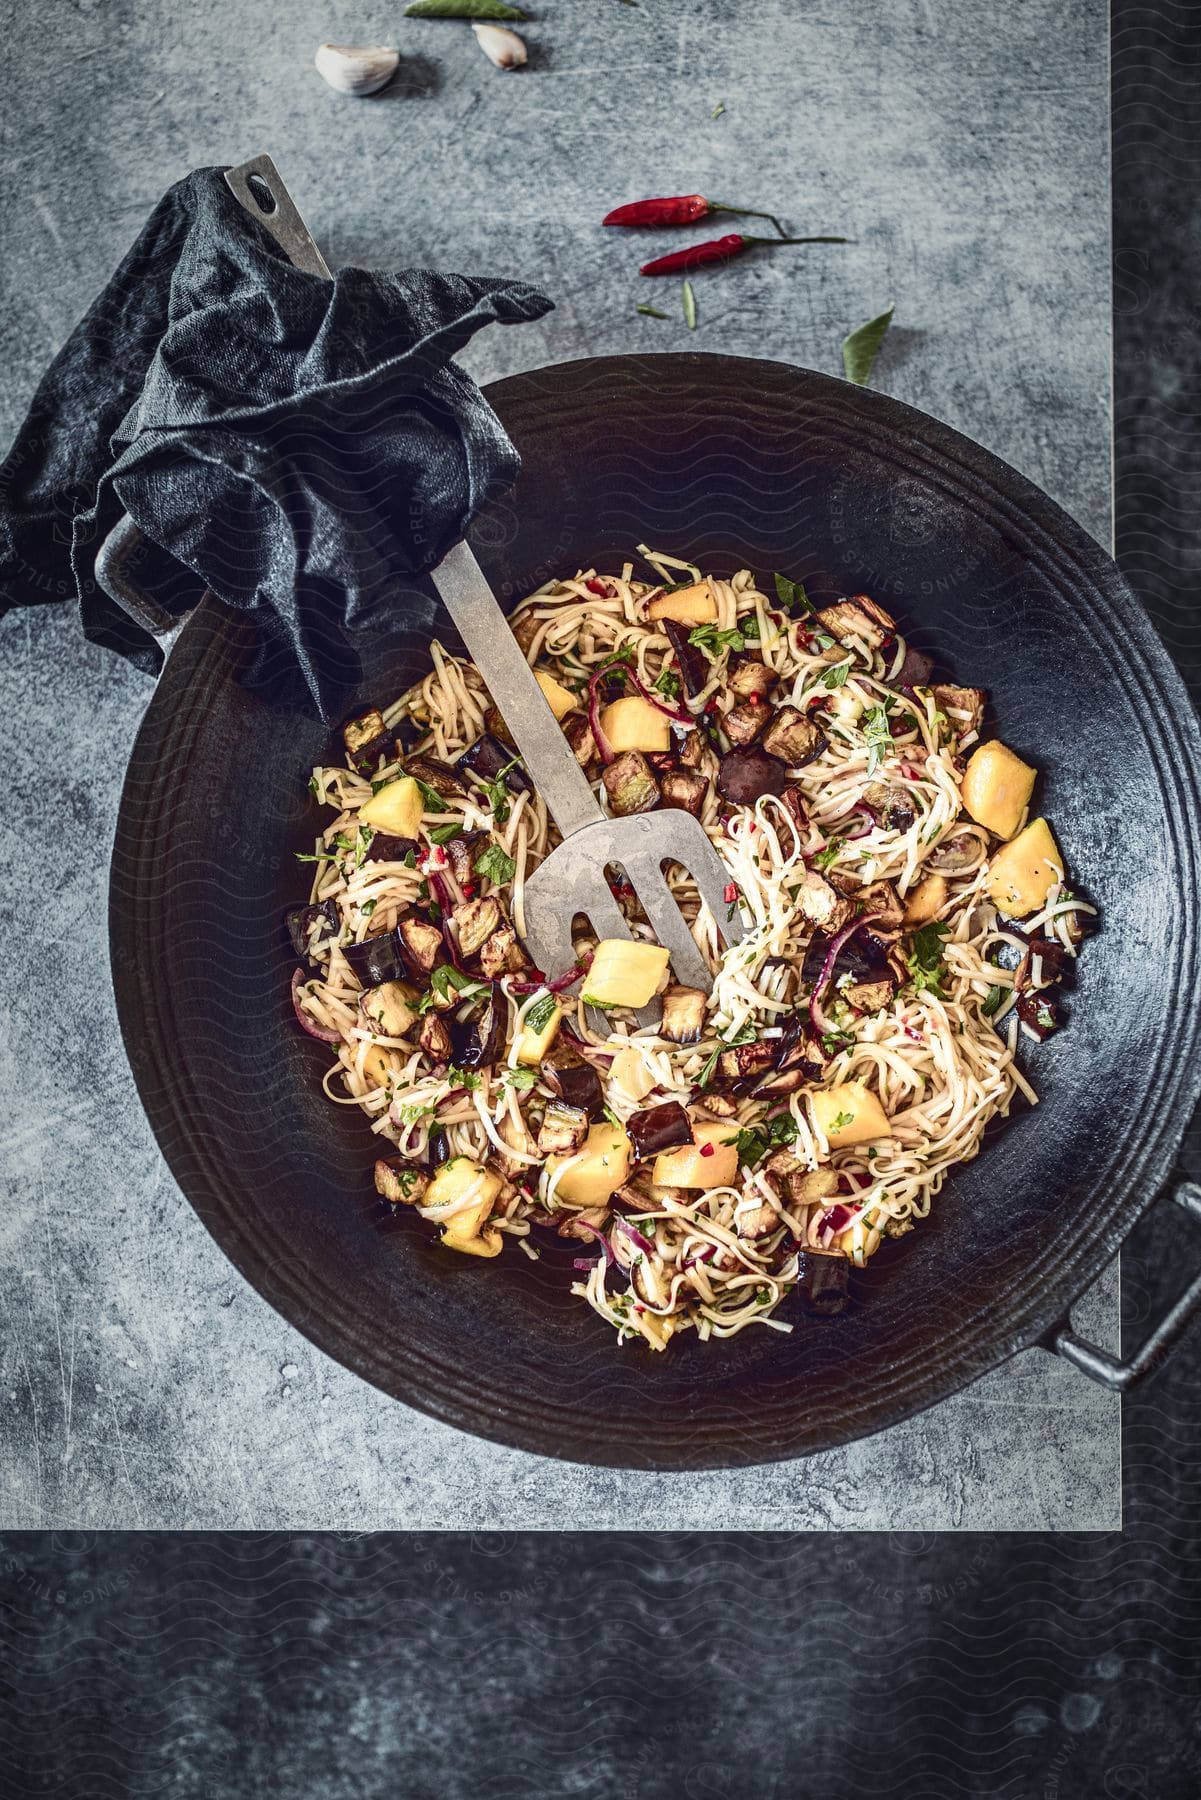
x,y
1122,1374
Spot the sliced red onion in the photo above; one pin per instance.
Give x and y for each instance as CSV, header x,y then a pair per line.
x,y
702,1256
602,1240
635,1236
306,1024
817,1016
594,712
575,973
680,714
837,1219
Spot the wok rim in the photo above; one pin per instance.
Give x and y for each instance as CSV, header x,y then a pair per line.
x,y
1100,597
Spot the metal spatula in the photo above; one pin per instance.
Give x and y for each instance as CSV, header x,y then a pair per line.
x,y
572,879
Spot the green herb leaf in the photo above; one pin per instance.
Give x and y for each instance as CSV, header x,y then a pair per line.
x,y
464,1078
495,865
668,683
706,1074
861,347
718,110
841,1119
828,855
689,299
924,961
434,801
878,735
713,642
650,312
446,978
462,9
991,1002
368,907
837,676
521,1079
540,1014
442,834
792,593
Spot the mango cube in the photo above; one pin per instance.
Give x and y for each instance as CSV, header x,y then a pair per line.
x,y
625,973
460,1179
635,724
710,1162
532,1045
694,605
849,1114
997,786
602,1165
396,809
560,700
1023,872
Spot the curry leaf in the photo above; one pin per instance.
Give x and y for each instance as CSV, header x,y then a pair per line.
x,y
463,9
861,347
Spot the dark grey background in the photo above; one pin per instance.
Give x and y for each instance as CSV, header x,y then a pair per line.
x,y
706,1666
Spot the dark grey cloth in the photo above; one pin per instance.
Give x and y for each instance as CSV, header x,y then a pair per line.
x,y
301,446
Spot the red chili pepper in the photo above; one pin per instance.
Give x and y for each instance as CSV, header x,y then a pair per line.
x,y
708,1149
598,587
679,209
468,889
730,894
719,250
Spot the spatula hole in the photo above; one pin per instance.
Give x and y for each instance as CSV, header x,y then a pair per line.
x,y
261,194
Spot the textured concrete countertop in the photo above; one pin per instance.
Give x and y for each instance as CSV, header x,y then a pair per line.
x,y
965,149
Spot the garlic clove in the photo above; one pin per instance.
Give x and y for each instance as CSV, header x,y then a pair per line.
x,y
502,47
356,70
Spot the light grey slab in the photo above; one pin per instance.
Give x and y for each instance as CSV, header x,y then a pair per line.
x,y
965,148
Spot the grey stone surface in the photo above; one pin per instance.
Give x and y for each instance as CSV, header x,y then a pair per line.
x,y
142,1383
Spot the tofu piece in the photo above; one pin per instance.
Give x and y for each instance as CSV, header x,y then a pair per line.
x,y
849,1114
694,605
997,786
710,1162
396,809
558,698
1022,873
625,973
634,724
602,1166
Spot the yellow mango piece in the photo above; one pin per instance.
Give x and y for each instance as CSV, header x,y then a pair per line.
x,y
602,1165
710,1162
376,1067
558,698
926,901
849,1114
396,809
625,973
997,786
1023,872
635,724
460,1179
695,605
488,1243
629,1071
532,1046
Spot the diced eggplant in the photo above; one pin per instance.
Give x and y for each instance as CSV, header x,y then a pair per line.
x,y
690,746
959,701
367,739
487,757
501,954
437,1150
692,662
683,1015
386,848
526,628
658,1128
781,1082
962,850
475,921
822,904
378,959
495,726
578,732
809,1187
480,1041
563,1129
1049,958
823,1283
869,996
679,787
758,1221
747,1061
436,775
422,942
743,724
793,737
630,785
915,670
882,899
461,853
890,805
1039,1013
794,805
435,1038
389,1008
398,1182
798,1049
717,1106
749,678
857,617
744,776
856,957
300,921
577,1084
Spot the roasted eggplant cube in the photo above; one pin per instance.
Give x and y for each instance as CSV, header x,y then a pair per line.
x,y
1043,964
890,805
479,1042
563,1129
367,739
389,1008
386,848
744,776
424,946
682,789
474,922
823,1283
436,775
868,996
758,1221
488,756
683,1015
692,663
577,1084
461,853
658,1128
689,745
749,678
915,670
746,1062
857,617
1039,1014
578,733
881,898
822,904
304,923
743,724
793,737
501,954
630,785
378,959
781,1082
398,1182
435,1038
963,706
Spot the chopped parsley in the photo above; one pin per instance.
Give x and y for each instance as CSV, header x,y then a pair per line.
x,y
878,735
368,907
745,1035
495,865
668,683
713,642
926,966
498,792
829,854
434,801
750,629
521,1078
463,1078
841,1119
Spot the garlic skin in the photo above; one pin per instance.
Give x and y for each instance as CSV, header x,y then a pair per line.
x,y
356,70
504,48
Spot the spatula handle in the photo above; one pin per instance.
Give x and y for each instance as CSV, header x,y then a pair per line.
x,y
498,656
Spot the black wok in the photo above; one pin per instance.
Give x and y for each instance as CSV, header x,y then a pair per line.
x,y
733,463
